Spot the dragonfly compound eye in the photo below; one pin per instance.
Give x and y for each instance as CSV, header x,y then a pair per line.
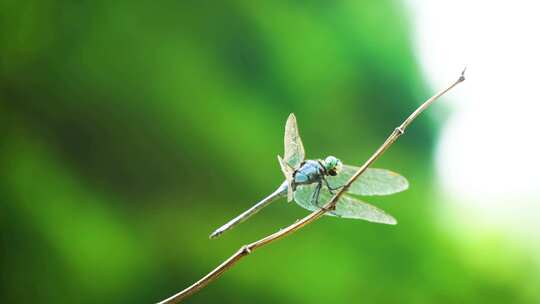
x,y
331,163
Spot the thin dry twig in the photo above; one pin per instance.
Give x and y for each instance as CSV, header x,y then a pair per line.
x,y
247,249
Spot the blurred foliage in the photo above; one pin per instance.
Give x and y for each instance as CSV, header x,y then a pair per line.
x,y
133,129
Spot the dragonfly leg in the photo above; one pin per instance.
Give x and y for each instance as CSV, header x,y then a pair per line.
x,y
330,189
315,195
315,198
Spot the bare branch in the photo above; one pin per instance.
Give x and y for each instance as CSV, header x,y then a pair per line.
x,y
247,249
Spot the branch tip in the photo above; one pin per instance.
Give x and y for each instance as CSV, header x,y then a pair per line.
x,y
462,77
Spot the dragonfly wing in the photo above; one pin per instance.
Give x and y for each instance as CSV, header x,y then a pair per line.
x,y
371,182
346,207
303,196
288,172
294,149
350,207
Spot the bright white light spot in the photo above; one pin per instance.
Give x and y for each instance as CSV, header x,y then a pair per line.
x,y
488,157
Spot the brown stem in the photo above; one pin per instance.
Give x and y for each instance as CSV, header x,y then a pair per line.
x,y
247,249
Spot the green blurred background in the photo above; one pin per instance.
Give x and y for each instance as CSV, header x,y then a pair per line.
x,y
133,130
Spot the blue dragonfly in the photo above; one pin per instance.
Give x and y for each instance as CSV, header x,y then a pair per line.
x,y
311,184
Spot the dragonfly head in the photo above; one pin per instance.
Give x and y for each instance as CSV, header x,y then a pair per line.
x,y
332,165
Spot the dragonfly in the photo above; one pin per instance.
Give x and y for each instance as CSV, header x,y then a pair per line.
x,y
312,183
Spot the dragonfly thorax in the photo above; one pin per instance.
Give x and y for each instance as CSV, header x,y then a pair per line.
x,y
311,171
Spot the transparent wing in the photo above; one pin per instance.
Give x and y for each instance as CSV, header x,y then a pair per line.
x,y
294,149
371,182
288,172
346,207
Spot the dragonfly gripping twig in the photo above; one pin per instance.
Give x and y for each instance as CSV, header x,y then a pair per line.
x,y
249,248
